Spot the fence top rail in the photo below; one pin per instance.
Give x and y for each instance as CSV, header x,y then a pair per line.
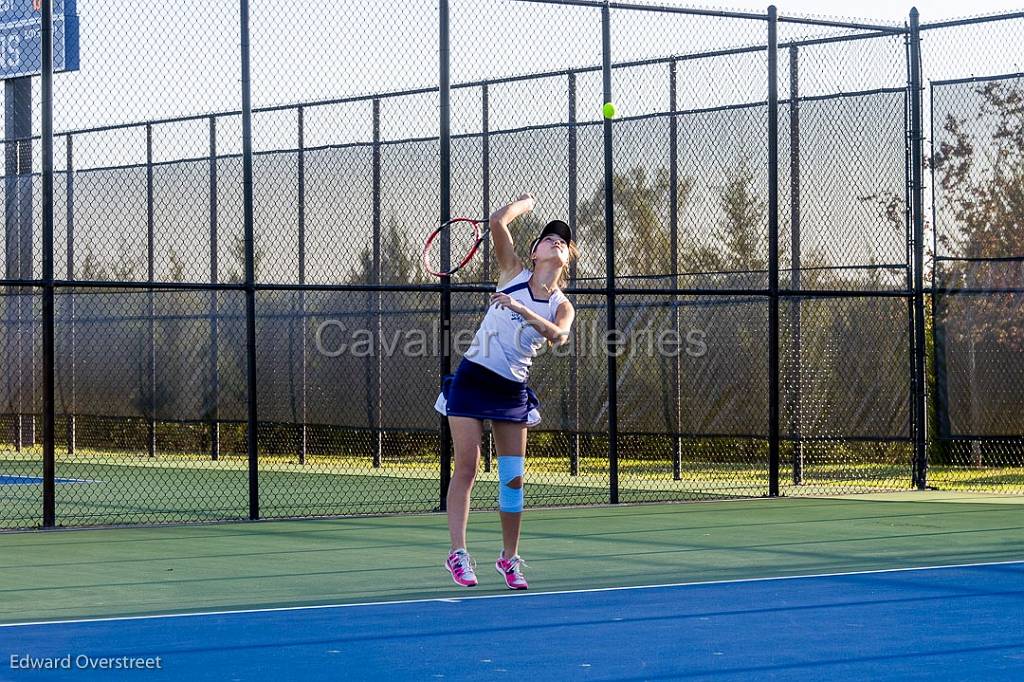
x,y
698,11
977,79
983,259
968,21
695,11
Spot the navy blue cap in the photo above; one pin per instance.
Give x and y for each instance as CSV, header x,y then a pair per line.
x,y
559,227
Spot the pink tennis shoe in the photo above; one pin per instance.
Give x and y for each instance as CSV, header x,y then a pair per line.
x,y
512,571
462,567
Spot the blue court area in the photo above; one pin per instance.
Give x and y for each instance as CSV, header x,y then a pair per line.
x,y
949,623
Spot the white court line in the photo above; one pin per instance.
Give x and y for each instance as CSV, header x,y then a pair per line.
x,y
516,595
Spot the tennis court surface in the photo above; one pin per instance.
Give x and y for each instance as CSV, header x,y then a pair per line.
x,y
905,586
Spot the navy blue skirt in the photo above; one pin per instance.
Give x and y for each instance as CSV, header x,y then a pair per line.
x,y
477,392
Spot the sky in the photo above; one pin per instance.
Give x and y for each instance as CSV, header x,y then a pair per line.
x,y
182,58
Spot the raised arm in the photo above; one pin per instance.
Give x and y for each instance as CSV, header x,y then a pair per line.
x,y
556,333
504,249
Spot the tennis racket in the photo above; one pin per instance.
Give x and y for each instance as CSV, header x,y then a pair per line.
x,y
465,236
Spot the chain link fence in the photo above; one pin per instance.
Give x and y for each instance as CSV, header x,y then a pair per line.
x,y
225,315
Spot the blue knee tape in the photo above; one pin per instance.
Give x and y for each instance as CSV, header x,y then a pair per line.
x,y
509,469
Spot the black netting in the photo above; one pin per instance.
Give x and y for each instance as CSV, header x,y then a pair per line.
x,y
844,225
20,398
978,157
979,357
693,397
977,160
844,364
846,395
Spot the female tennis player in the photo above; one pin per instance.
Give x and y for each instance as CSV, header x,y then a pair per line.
x,y
527,311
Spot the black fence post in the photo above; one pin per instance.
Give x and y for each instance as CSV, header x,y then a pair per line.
x,y
250,270
49,467
485,141
908,206
301,432
69,180
673,226
574,369
18,239
214,408
151,294
612,346
773,253
377,399
794,381
446,294
909,269
917,213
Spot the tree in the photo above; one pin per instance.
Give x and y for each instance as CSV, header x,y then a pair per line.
x,y
236,251
92,268
642,232
745,219
176,267
399,259
95,268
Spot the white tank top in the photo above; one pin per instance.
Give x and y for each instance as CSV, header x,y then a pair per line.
x,y
504,343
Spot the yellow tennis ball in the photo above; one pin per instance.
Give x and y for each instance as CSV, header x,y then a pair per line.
x,y
608,110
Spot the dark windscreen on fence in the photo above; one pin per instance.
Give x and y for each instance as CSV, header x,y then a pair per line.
x,y
979,269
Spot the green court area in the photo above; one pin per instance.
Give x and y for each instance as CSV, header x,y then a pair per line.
x,y
105,488
147,570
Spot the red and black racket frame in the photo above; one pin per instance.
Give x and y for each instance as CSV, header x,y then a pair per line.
x,y
480,229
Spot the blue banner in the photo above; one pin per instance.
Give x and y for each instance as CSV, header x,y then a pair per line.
x,y
16,11
21,39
